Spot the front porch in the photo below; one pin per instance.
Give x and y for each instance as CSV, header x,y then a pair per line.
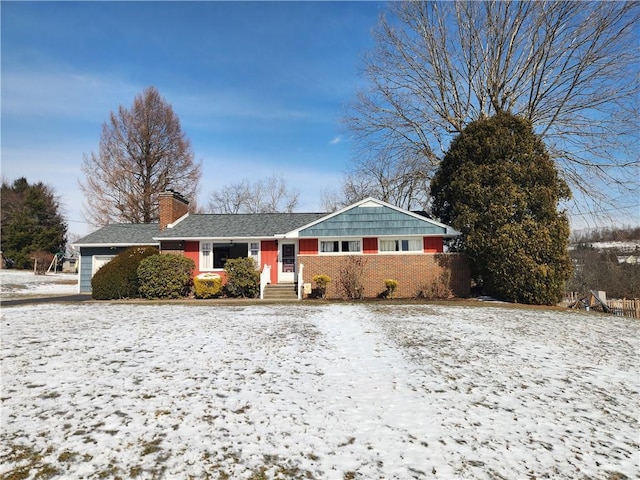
x,y
283,290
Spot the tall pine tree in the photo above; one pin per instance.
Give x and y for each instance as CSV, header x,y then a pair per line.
x,y
499,187
31,222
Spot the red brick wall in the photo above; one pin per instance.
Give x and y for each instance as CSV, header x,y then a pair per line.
x,y
411,272
172,206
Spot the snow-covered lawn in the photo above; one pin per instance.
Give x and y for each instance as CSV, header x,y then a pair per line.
x,y
338,391
22,283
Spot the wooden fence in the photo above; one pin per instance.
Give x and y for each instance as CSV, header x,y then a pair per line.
x,y
625,308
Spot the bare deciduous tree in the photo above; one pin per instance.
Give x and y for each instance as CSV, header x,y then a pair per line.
x,y
404,183
143,151
331,200
571,68
263,196
231,198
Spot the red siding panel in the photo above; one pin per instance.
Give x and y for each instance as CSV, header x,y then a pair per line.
x,y
192,251
308,246
433,245
370,245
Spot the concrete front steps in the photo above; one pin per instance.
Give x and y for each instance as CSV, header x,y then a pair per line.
x,y
280,291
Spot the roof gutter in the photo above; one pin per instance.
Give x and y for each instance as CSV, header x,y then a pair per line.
x,y
145,244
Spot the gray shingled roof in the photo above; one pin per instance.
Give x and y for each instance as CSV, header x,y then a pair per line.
x,y
259,225
123,234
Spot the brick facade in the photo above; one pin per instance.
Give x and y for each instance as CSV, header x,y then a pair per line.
x,y
411,271
172,206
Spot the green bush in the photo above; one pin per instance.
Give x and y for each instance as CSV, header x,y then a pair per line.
x,y
119,277
165,276
243,280
207,286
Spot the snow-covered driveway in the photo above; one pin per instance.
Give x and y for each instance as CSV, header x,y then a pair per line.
x,y
317,391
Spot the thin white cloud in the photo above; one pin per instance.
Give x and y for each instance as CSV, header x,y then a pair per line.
x,y
336,140
63,94
91,96
209,109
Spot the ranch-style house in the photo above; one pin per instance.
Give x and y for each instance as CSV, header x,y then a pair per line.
x,y
290,248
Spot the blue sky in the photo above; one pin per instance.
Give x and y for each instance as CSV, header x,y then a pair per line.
x,y
259,87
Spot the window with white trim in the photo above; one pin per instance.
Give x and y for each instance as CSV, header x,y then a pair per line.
x,y
387,245
329,246
341,246
206,256
254,251
221,253
213,255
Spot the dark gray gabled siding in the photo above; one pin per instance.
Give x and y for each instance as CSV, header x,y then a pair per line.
x,y
372,222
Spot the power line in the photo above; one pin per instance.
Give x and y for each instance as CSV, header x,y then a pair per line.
x,y
605,210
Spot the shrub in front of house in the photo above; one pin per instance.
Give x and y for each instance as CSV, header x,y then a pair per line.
x,y
436,289
243,279
351,277
321,281
165,276
207,285
390,286
119,278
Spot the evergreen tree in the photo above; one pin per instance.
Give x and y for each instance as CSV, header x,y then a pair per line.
x,y
499,187
31,222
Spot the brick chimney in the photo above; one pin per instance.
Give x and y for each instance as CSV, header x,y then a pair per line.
x,y
172,206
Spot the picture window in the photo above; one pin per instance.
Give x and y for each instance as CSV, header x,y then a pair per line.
x,y
213,256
